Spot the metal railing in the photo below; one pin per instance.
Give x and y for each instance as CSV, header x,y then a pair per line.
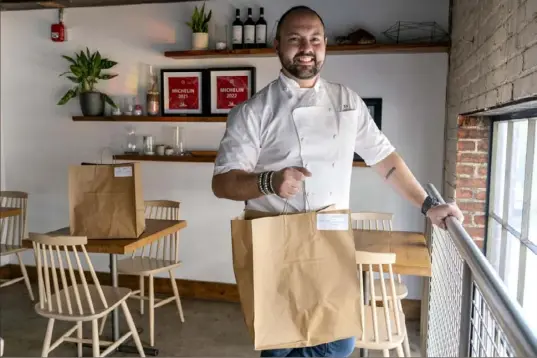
x,y
469,311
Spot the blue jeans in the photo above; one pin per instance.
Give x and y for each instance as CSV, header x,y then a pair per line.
x,y
341,348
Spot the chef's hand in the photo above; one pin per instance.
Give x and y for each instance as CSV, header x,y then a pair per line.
x,y
288,181
439,213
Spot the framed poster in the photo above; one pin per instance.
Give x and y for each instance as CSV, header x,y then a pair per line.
x,y
375,109
229,87
182,92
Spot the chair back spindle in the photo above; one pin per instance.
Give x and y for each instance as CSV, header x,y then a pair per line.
x,y
13,228
372,221
58,294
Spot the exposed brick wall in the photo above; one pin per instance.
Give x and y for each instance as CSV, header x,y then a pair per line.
x,y
493,61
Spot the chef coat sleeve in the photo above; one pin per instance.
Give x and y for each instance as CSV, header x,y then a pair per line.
x,y
371,144
240,145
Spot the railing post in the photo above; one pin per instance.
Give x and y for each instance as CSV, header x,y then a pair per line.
x,y
466,312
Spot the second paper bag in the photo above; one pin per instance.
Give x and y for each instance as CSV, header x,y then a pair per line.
x,y
297,278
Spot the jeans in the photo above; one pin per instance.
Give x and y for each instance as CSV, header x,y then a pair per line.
x,y
341,348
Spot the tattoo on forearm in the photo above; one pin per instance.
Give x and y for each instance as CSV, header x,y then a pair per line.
x,y
390,172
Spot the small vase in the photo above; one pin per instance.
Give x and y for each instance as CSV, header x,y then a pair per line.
x,y
92,103
200,40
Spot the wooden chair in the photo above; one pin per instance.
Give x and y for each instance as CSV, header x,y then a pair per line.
x,y
160,256
383,328
384,222
75,301
12,232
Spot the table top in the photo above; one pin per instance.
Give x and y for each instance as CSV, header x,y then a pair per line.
x,y
6,212
410,248
155,229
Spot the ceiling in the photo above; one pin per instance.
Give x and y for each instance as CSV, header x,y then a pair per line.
x,y
18,5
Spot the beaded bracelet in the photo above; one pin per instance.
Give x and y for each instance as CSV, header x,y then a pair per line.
x,y
264,183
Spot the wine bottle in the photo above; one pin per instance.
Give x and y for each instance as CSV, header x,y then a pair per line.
x,y
261,30
249,31
237,26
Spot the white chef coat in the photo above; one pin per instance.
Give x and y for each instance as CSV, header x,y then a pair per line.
x,y
318,128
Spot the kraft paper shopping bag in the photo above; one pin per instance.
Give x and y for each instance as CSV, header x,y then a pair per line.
x,y
106,201
296,276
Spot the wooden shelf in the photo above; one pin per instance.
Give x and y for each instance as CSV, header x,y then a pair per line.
x,y
332,49
148,119
206,158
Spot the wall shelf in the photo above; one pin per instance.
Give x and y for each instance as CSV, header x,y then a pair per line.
x,y
331,49
210,157
148,119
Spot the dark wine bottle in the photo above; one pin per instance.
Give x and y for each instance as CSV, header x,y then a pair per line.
x,y
237,26
261,30
249,31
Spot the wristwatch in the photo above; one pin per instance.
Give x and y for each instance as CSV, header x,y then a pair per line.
x,y
428,203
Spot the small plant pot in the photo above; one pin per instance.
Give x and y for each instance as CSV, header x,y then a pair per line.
x,y
200,40
92,103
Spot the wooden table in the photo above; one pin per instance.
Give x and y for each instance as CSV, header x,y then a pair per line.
x,y
410,248
6,212
155,229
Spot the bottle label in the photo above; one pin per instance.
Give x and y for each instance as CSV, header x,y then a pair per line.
x,y
249,34
261,34
237,34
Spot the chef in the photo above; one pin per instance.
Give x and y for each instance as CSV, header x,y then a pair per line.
x,y
291,145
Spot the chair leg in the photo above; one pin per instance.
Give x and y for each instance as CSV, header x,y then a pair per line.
x,y
132,328
141,294
25,275
95,338
177,298
101,329
79,336
399,350
406,346
151,312
385,353
48,338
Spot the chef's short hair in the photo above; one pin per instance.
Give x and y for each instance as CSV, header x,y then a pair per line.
x,y
300,8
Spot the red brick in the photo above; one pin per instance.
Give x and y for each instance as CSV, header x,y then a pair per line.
x,y
471,207
483,145
471,183
482,171
480,242
471,133
476,232
465,169
464,193
466,145
481,195
472,158
479,220
471,121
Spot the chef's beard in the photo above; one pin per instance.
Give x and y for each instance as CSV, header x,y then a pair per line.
x,y
300,71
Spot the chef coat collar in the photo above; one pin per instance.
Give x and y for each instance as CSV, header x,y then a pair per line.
x,y
289,84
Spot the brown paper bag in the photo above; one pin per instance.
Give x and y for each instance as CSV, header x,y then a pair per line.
x,y
297,278
106,201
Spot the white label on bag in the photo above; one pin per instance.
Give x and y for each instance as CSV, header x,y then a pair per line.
x,y
123,171
333,222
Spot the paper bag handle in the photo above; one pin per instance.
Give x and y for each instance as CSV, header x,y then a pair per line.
x,y
101,152
306,204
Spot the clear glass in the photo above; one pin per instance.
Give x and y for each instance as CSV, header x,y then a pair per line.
x,y
132,140
498,169
178,141
530,291
532,232
512,259
149,145
517,172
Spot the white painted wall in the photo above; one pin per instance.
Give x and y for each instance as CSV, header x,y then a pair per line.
x,y
41,140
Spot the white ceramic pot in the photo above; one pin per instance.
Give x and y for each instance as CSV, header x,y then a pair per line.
x,y
200,41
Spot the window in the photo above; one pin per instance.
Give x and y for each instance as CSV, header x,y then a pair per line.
x,y
512,225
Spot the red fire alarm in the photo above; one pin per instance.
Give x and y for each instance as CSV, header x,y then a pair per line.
x,y
57,31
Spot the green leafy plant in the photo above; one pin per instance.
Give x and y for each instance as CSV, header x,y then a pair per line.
x,y
85,71
200,21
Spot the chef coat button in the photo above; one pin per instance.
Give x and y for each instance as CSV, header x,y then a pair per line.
x,y
334,136
333,164
330,193
329,109
302,139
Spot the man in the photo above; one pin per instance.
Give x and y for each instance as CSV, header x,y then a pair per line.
x,y
290,147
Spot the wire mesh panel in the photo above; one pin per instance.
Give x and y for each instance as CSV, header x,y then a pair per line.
x,y
445,293
487,338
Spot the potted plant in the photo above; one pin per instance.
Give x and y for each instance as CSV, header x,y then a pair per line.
x,y
85,71
199,23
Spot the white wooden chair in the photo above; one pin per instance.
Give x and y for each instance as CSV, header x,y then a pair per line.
x,y
383,328
160,256
75,301
12,232
383,222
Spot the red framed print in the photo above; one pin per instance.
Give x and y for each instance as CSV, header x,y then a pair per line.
x,y
182,92
230,87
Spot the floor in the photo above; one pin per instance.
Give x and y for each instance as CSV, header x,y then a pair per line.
x,y
211,329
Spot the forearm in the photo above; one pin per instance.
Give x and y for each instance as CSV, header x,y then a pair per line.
x,y
236,185
394,170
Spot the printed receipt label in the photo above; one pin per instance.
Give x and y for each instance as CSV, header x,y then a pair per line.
x,y
333,222
123,171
